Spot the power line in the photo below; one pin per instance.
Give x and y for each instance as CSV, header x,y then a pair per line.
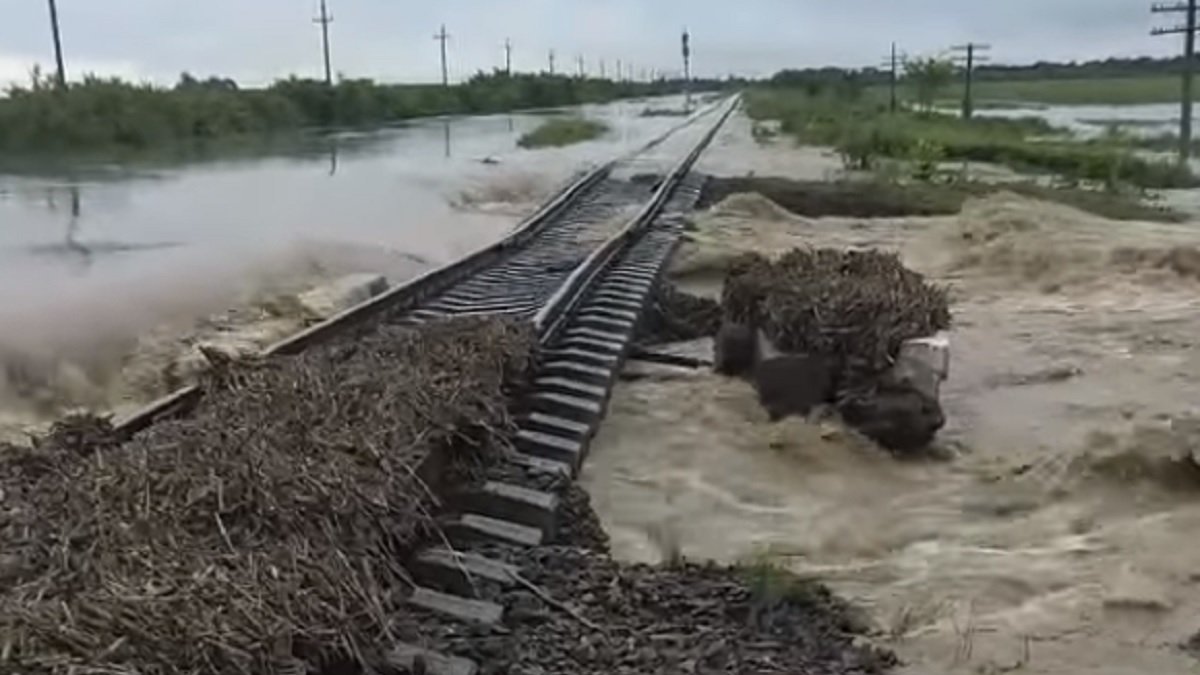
x,y
58,51
325,19
442,36
969,59
1188,29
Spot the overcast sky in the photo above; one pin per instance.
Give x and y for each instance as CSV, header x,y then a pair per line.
x,y
256,41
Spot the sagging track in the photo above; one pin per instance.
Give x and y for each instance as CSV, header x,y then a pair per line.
x,y
584,284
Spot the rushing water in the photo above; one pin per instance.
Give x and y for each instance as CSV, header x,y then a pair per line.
x,y
84,242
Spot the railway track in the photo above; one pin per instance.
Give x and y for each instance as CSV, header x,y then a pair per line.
x,y
582,269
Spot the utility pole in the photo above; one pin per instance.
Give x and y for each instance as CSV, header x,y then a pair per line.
x,y
508,57
620,72
582,67
442,36
325,19
603,70
968,107
58,52
894,78
687,69
1188,28
551,63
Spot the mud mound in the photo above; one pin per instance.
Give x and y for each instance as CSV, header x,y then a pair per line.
x,y
854,307
815,199
751,205
677,619
677,316
1052,245
264,533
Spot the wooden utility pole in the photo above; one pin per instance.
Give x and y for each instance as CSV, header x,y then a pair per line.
x,y
443,37
508,57
58,51
970,59
894,78
325,19
687,69
1188,28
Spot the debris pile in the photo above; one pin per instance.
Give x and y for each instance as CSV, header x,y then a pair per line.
x,y
682,618
676,316
838,319
263,534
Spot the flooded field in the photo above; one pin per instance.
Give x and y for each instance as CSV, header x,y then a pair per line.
x,y
1047,533
101,265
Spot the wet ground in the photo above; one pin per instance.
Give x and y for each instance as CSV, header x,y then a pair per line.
x,y
1049,533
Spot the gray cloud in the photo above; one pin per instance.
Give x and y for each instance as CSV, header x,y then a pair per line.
x,y
259,40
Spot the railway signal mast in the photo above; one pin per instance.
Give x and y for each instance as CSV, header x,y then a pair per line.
x,y
1188,29
969,56
508,57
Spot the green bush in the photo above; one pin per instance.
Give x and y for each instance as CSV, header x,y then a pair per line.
x,y
560,131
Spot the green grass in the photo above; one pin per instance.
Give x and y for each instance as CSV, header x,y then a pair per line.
x,y
560,131
863,132
112,116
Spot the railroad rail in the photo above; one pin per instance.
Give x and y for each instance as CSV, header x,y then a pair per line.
x,y
585,285
538,271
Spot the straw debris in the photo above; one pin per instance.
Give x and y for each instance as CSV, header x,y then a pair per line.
x,y
263,534
855,307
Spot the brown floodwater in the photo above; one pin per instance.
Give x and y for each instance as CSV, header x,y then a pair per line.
x,y
1052,532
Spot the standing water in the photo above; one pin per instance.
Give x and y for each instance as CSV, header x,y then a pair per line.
x,y
93,256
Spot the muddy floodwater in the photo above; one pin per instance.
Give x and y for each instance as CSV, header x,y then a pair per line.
x,y
106,267
1053,528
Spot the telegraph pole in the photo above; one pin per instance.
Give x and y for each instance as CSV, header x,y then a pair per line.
x,y
442,36
325,19
582,67
58,51
551,63
603,70
1188,28
508,57
687,69
968,108
894,70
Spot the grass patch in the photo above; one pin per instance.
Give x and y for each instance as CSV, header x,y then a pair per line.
x,y
561,131
863,132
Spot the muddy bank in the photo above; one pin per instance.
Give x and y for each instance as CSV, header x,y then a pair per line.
x,y
856,198
1047,540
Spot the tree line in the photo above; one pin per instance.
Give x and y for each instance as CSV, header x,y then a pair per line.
x,y
106,113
